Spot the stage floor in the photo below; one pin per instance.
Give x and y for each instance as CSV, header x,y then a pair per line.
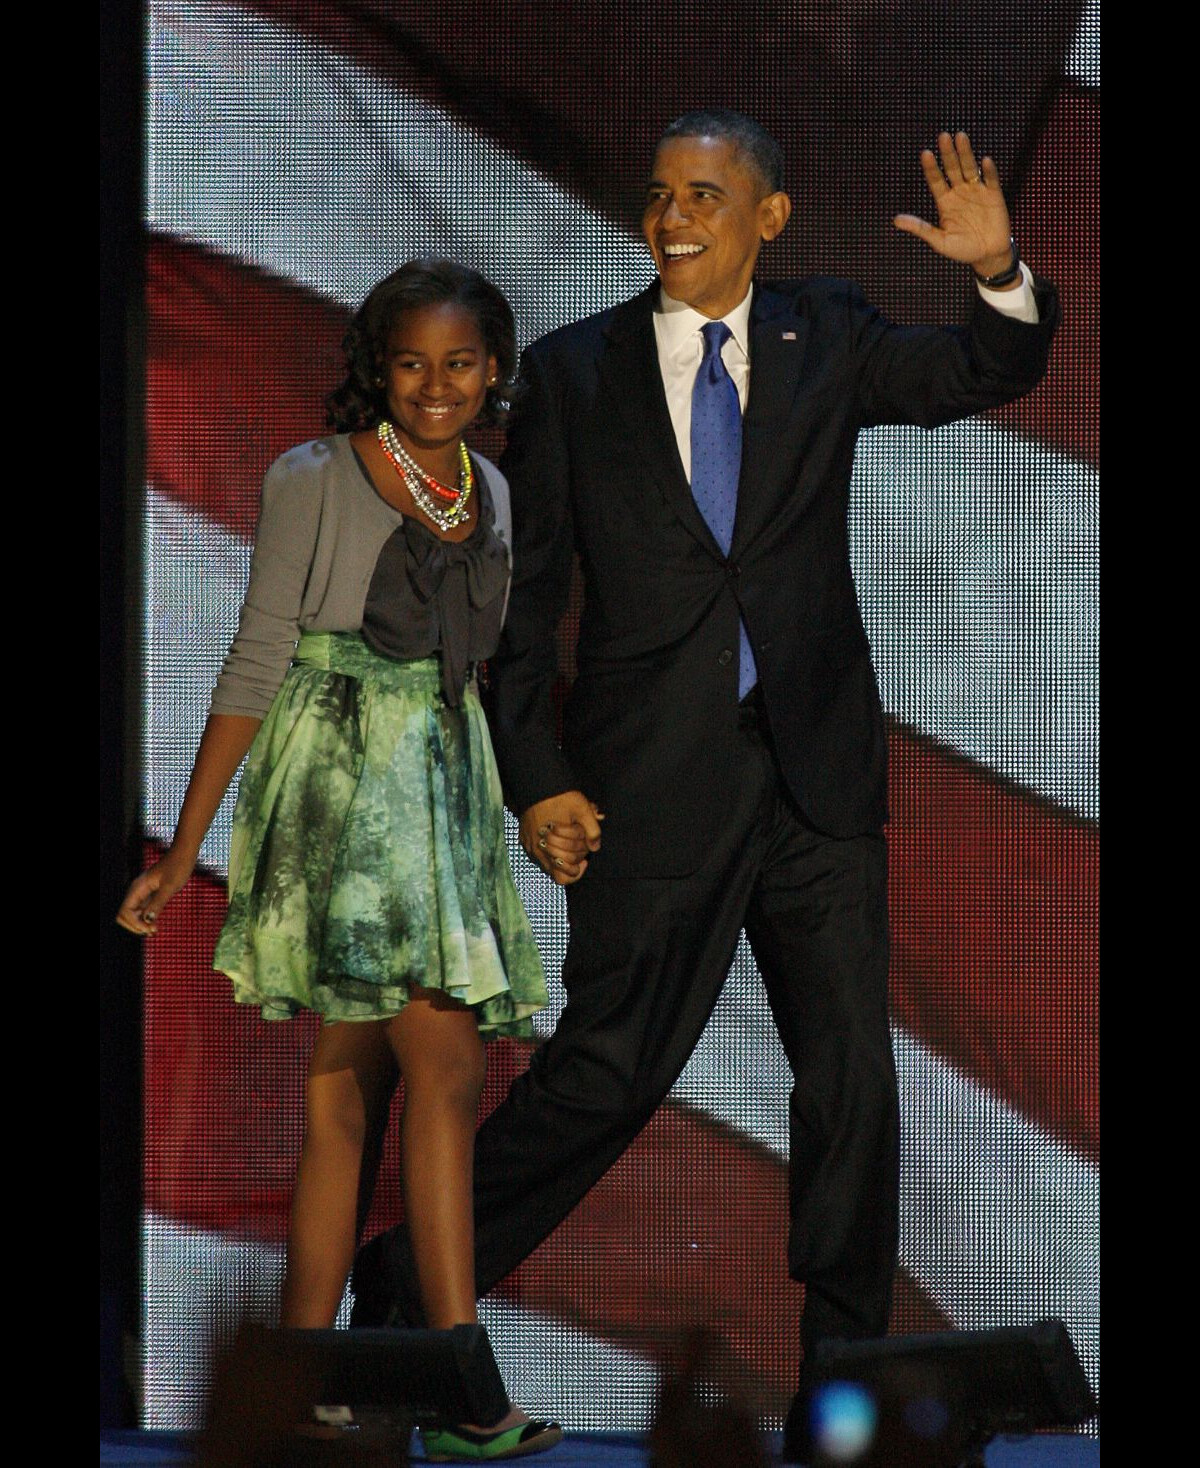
x,y
608,1450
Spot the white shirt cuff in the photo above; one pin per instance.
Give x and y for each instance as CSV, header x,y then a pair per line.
x,y
1019,303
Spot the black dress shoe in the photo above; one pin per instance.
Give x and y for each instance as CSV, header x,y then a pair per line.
x,y
370,1307
797,1433
377,1302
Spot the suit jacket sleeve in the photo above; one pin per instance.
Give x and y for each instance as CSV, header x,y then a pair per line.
x,y
930,375
532,767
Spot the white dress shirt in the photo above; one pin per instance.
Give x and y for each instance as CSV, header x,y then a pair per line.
x,y
680,347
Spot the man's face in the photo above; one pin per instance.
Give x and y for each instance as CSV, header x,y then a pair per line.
x,y
705,219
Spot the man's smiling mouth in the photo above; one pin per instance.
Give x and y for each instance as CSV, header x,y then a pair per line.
x,y
677,252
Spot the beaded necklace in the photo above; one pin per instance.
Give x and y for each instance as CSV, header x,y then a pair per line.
x,y
425,490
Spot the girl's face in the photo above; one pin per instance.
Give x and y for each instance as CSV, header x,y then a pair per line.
x,y
436,373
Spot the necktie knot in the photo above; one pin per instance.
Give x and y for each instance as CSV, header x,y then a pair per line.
x,y
715,334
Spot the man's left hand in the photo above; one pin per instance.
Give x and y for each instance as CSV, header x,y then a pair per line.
x,y
973,224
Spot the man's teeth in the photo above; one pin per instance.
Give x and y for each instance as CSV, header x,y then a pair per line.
x,y
672,251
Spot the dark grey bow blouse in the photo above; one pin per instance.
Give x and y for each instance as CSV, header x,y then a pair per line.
x,y
429,595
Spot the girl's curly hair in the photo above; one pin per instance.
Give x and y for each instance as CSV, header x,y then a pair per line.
x,y
360,401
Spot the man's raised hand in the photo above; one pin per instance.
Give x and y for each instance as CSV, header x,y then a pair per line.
x,y
973,224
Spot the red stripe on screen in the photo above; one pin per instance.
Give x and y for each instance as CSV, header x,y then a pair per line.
x,y
994,899
237,366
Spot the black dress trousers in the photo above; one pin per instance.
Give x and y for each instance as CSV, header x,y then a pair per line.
x,y
643,970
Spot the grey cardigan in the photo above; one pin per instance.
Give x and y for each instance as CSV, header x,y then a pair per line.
x,y
321,528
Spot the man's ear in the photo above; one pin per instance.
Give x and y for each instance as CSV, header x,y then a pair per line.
x,y
773,213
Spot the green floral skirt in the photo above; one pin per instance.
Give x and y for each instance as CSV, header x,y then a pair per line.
x,y
368,851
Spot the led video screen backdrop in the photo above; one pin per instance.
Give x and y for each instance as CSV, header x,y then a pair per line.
x,y
297,152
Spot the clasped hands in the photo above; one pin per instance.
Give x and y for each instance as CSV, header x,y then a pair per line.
x,y
559,832
973,223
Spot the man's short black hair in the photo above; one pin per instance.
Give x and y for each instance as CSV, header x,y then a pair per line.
x,y
756,145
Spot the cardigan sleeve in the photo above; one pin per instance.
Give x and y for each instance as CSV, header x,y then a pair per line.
x,y
269,623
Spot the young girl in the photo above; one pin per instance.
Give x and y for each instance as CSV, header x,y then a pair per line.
x,y
368,875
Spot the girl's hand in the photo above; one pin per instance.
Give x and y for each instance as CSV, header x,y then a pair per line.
x,y
150,893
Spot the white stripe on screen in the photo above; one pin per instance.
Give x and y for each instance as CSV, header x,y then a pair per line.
x,y
1083,61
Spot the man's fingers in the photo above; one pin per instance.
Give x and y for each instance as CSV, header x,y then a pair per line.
x,y
966,158
933,174
951,164
954,164
910,224
585,825
589,821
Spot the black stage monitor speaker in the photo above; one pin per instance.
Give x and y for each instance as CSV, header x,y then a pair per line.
x,y
936,1400
266,1387
447,1374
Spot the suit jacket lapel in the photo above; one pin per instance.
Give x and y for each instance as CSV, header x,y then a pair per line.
x,y
632,386
777,341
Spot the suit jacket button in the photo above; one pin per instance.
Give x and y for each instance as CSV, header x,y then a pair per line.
x,y
724,657
733,570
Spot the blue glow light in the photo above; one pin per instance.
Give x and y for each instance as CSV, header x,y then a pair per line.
x,y
843,1420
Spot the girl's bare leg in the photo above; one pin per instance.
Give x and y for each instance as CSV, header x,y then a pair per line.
x,y
438,1048
440,1054
436,1045
350,1079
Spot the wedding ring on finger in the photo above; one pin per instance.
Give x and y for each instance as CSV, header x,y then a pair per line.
x,y
558,862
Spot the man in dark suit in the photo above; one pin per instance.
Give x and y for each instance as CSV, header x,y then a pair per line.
x,y
694,446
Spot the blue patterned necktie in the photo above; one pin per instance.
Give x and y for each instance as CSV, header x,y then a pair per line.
x,y
717,462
